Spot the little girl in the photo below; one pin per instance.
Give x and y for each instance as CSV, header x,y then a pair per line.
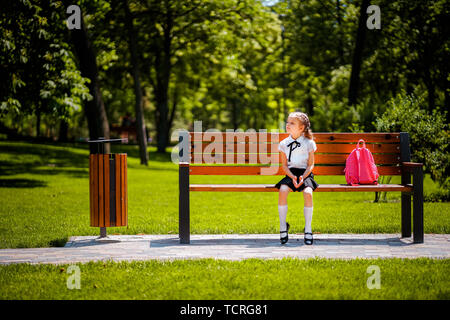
x,y
297,158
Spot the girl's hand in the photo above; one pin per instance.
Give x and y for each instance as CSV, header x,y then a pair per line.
x,y
297,184
300,181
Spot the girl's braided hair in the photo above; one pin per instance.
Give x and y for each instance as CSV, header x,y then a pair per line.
x,y
304,120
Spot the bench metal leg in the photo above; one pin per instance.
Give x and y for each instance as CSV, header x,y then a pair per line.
x,y
406,215
406,207
405,156
184,223
418,205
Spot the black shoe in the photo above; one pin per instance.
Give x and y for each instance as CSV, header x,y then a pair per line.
x,y
309,240
285,239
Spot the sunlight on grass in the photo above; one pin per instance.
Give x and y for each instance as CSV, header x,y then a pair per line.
x,y
44,199
219,279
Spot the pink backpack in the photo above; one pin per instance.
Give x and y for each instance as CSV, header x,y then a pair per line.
x,y
360,167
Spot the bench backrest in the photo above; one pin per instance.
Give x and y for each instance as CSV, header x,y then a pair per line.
x,y
254,153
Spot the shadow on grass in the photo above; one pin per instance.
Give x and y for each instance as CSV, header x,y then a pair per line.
x,y
52,159
57,160
61,242
62,157
21,183
133,152
93,242
11,168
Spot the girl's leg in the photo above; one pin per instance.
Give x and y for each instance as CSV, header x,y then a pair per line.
x,y
283,208
308,196
283,195
308,209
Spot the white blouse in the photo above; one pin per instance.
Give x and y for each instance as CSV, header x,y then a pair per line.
x,y
297,151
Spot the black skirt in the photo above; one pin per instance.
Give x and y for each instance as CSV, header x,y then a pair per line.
x,y
307,182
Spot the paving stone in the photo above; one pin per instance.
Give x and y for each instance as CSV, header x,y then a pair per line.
x,y
231,247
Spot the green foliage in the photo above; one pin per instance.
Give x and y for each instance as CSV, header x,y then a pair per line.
x,y
38,72
442,195
428,132
230,63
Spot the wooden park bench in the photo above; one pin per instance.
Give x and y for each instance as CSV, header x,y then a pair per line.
x,y
244,155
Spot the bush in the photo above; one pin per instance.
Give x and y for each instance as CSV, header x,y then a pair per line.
x,y
428,133
438,196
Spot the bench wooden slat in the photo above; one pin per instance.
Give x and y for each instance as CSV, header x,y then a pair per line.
x,y
318,136
199,147
273,147
347,148
354,137
246,158
321,188
256,170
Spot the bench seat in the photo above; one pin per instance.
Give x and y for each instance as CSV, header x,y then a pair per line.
x,y
321,188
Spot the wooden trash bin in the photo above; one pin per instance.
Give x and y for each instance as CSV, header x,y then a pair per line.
x,y
108,189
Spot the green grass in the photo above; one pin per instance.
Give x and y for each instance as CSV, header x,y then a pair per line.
x,y
44,199
218,279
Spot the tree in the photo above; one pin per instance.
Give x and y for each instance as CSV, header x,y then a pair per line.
x,y
38,72
174,28
133,47
358,53
427,130
94,109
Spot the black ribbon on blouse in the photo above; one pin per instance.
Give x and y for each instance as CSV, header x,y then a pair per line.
x,y
294,144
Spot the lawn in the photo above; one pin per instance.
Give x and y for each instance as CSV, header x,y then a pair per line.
x,y
44,199
250,279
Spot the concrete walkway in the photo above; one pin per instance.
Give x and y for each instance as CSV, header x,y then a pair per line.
x,y
231,247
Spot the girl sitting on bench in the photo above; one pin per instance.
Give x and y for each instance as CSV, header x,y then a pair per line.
x,y
297,158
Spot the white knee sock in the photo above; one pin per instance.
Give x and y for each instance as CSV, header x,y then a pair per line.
x,y
308,213
282,212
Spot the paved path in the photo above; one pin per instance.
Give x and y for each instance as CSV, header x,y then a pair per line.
x,y
231,247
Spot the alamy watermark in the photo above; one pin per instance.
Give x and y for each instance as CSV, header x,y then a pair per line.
x,y
374,281
374,18
74,280
74,20
230,147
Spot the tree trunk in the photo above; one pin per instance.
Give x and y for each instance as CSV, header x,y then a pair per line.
x,y
429,83
162,112
163,67
309,104
234,114
357,54
63,131
340,49
95,109
172,113
139,109
38,123
447,101
431,90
